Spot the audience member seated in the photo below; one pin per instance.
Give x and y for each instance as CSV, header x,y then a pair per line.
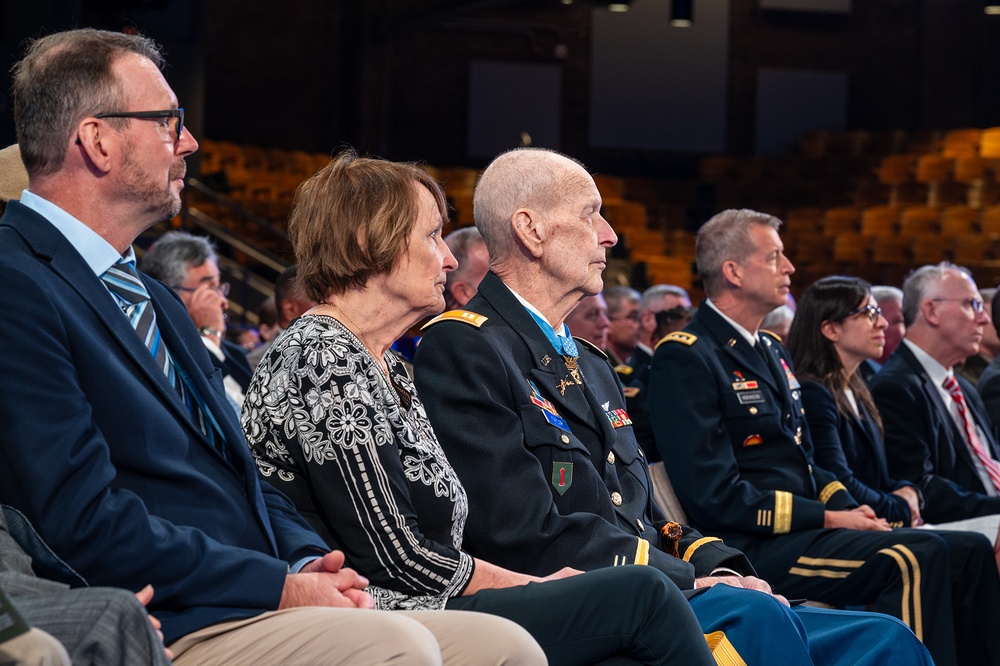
x,y
973,367
467,246
118,444
267,329
98,625
890,299
674,319
667,321
779,321
536,426
989,381
290,301
94,625
726,409
378,483
589,321
247,337
840,325
937,432
656,299
188,265
624,332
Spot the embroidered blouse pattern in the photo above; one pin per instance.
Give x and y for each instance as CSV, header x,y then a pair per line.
x,y
325,423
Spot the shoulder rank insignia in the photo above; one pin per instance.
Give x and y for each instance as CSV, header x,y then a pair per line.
x,y
771,333
471,318
597,350
682,337
624,369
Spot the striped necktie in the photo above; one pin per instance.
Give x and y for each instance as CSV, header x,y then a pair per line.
x,y
123,281
992,467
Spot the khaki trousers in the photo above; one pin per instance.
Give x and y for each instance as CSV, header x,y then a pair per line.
x,y
312,636
35,648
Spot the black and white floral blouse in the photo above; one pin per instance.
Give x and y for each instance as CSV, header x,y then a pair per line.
x,y
355,452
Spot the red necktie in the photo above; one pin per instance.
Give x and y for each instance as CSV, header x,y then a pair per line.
x,y
992,467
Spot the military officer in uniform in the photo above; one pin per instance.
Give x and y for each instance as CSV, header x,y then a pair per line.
x,y
535,424
726,409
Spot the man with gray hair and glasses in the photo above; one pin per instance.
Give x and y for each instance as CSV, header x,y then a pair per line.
x,y
118,446
937,432
188,265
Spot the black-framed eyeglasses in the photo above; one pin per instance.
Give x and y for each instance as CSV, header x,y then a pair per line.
x,y
222,288
976,304
166,113
870,311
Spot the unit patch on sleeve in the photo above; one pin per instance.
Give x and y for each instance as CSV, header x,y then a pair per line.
x,y
562,476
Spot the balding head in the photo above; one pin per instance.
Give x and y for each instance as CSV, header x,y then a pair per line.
x,y
530,178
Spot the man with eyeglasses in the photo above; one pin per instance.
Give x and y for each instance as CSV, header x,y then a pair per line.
x,y
624,333
937,431
726,409
118,445
188,265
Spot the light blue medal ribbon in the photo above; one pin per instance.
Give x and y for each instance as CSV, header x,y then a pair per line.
x,y
565,346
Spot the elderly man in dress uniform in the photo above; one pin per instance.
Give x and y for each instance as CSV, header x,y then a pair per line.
x,y
726,409
536,426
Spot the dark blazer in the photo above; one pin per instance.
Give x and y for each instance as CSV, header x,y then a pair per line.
x,y
737,428
989,390
554,476
101,455
852,449
923,443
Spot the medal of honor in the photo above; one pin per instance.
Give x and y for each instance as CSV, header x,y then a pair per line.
x,y
574,369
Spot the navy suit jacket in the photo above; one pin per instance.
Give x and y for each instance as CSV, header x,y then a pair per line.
x,y
852,449
100,454
923,443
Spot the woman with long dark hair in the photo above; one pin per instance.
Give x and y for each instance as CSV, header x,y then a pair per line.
x,y
838,325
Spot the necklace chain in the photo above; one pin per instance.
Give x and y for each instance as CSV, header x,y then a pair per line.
x,y
385,370
344,312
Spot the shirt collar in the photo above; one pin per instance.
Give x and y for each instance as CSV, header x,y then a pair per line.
x,y
937,372
97,252
564,332
747,335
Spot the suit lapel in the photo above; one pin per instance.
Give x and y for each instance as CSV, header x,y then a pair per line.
x,y
956,436
46,241
866,431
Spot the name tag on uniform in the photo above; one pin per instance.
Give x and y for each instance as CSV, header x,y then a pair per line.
x,y
750,397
